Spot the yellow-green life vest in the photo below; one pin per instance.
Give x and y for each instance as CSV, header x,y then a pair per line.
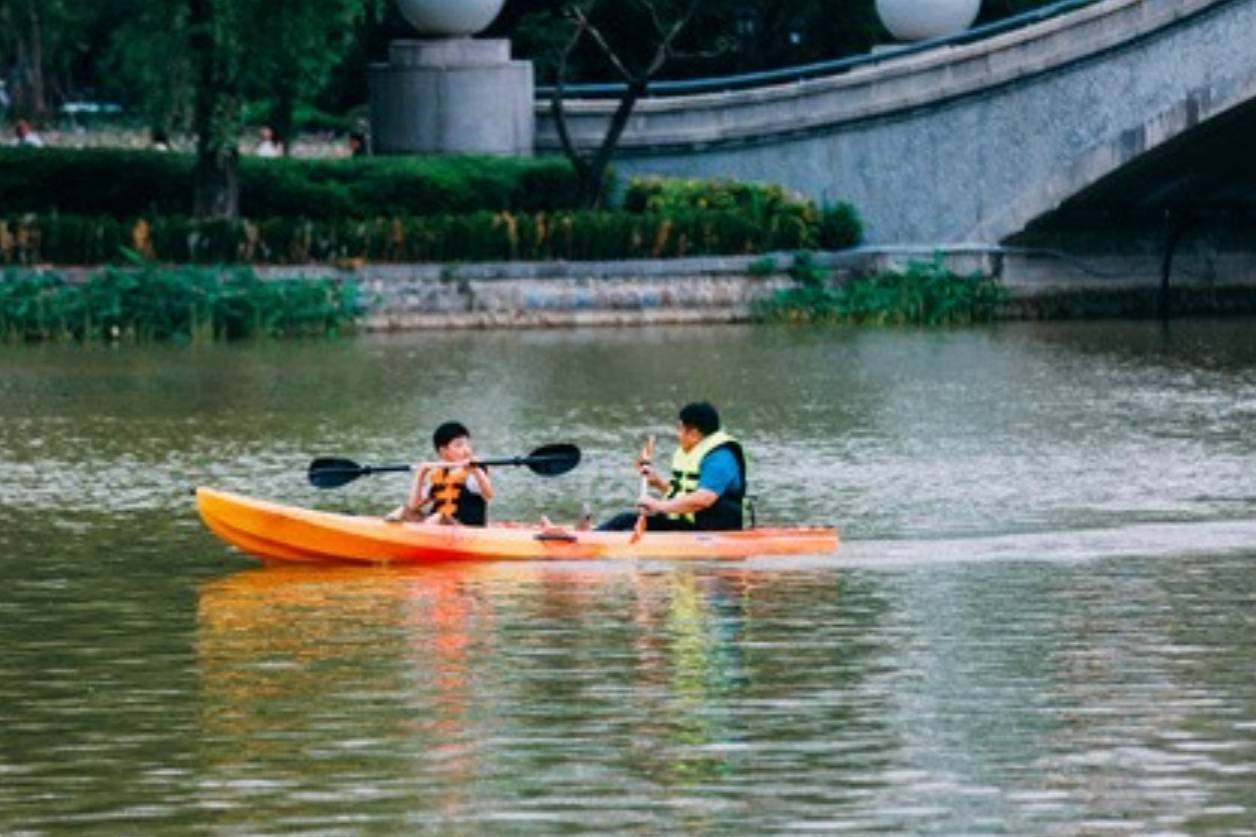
x,y
726,513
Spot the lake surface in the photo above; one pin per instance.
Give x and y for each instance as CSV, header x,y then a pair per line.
x,y
1041,618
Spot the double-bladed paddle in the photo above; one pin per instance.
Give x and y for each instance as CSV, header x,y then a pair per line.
x,y
547,461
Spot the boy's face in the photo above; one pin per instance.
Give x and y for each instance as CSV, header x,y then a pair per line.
x,y
457,449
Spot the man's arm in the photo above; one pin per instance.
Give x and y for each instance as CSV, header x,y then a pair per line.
x,y
719,471
690,503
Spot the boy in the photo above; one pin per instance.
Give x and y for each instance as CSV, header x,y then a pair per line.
x,y
455,488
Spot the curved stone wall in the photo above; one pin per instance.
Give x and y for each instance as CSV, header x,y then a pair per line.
x,y
963,143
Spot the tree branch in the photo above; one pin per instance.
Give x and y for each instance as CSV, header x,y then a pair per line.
x,y
596,34
578,161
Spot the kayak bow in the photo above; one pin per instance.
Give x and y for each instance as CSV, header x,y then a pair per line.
x,y
279,533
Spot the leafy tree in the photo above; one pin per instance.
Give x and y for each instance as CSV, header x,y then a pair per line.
x,y
41,42
215,29
294,45
150,66
288,46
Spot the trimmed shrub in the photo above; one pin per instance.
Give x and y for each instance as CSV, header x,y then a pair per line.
x,y
789,218
127,184
840,227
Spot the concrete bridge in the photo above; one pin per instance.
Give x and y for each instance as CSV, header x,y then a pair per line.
x,y
1123,110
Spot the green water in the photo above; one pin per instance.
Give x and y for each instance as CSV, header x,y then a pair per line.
x,y
1040,619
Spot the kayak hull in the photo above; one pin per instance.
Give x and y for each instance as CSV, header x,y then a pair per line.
x,y
288,534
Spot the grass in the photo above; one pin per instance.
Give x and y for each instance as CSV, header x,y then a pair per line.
x,y
174,304
925,293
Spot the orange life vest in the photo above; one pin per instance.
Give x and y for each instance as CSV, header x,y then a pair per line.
x,y
451,497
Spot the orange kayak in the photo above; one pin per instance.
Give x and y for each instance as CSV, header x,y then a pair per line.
x,y
279,533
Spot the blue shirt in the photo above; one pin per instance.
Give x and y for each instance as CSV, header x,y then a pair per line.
x,y
719,472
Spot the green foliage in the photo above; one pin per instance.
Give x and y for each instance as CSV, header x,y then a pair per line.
x,y
668,194
476,236
790,219
108,182
171,304
124,184
762,267
305,117
923,294
840,227
294,45
805,271
147,65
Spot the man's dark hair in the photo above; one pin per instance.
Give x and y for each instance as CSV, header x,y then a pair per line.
x,y
447,432
701,416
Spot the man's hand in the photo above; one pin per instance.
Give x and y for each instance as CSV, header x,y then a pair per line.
x,y
651,475
651,505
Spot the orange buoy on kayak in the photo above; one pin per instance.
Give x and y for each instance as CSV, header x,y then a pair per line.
x,y
280,533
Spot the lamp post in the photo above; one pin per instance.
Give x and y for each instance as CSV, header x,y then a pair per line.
x,y
451,93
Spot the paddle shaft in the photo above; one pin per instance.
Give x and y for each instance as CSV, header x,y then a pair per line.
x,y
547,461
365,470
647,454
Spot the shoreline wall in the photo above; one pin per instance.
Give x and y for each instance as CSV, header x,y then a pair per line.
x,y
1040,283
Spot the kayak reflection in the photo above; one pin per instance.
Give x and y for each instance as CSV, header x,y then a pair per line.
x,y
427,683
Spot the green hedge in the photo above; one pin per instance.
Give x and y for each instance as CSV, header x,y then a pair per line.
x,y
481,236
126,184
176,304
836,227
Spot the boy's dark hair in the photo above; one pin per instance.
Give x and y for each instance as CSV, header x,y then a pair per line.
x,y
447,432
701,416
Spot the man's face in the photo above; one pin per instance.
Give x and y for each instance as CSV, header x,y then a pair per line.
x,y
687,436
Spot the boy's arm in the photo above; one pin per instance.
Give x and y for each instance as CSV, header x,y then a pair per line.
x,y
481,477
416,500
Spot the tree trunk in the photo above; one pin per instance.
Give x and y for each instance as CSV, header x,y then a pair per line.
x,y
217,117
29,97
594,180
281,114
38,90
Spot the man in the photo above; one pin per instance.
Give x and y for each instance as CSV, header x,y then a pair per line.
x,y
708,481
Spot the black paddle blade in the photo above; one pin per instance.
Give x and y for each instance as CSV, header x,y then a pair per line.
x,y
552,460
330,472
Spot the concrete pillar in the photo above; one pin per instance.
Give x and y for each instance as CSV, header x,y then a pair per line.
x,y
452,96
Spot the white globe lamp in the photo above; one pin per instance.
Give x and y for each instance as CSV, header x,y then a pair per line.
x,y
450,18
921,20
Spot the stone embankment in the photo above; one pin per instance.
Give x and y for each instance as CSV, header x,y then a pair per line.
x,y
1041,284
